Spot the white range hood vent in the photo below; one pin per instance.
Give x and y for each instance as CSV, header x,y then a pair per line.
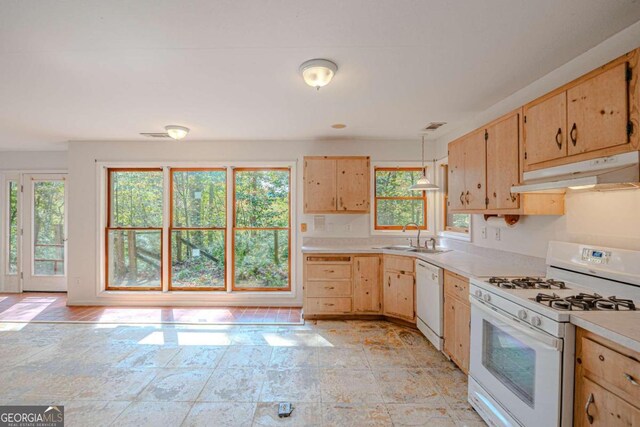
x,y
606,173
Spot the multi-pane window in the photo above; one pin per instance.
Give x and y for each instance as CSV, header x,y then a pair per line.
x,y
134,229
48,228
198,229
261,229
395,204
455,222
12,259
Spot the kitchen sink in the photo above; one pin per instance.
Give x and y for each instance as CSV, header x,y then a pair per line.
x,y
428,251
399,247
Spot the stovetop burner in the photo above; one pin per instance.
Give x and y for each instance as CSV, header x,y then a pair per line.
x,y
585,302
527,283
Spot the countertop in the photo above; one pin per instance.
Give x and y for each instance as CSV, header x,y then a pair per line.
x,y
622,327
459,262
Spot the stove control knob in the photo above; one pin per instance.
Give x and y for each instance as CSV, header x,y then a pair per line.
x,y
486,297
522,314
479,293
535,321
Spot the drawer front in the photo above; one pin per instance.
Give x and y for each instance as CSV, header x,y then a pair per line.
x,y
399,263
328,271
328,305
328,289
610,368
456,286
605,408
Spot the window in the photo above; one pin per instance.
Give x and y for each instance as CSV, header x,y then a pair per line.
x,y
395,204
12,264
261,228
134,229
198,229
48,228
455,222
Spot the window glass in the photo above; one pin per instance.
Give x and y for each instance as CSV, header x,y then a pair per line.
x,y
13,228
395,204
135,258
48,228
136,198
199,198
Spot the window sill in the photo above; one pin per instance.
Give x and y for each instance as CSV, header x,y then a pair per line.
x,y
199,294
465,237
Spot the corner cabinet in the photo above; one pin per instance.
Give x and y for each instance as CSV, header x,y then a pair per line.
x,y
399,287
336,185
457,319
607,378
596,115
485,164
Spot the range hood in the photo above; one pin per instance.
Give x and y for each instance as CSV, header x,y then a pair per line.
x,y
604,173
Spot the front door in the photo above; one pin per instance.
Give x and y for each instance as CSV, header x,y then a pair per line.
x,y
44,245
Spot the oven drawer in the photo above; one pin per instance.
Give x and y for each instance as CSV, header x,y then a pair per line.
x,y
611,369
328,289
328,271
328,305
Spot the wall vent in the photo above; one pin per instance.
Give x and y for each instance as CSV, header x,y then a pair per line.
x,y
155,134
433,126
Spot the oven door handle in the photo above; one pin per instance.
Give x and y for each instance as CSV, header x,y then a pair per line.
x,y
550,342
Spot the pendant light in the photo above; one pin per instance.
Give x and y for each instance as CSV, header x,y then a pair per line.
x,y
423,183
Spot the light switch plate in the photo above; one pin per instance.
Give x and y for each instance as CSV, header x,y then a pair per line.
x,y
497,234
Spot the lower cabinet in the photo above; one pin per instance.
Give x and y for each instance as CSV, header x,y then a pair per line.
x,y
607,378
457,319
399,287
341,284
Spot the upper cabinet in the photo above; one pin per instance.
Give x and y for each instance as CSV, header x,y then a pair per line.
x,y
336,184
502,163
593,116
467,172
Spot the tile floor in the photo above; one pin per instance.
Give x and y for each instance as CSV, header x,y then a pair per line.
x,y
336,373
52,307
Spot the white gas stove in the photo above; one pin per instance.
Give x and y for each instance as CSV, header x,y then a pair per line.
x,y
522,344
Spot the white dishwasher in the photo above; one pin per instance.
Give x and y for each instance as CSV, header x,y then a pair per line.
x,y
429,302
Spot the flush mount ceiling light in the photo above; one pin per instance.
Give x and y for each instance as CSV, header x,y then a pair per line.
x,y
338,126
176,132
318,72
423,183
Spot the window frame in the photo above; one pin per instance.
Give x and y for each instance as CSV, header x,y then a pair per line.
x,y
234,288
109,228
7,225
377,227
171,228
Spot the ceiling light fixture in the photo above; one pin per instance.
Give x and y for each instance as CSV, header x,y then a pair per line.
x,y
176,132
423,183
318,72
338,126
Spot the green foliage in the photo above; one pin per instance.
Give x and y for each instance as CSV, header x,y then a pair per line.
x,y
134,258
262,258
48,227
392,207
13,227
459,220
396,183
197,258
136,198
199,199
262,199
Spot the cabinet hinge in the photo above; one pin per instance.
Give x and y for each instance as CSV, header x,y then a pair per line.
x,y
525,119
448,203
525,155
22,188
21,275
380,305
629,128
486,201
21,231
629,74
486,135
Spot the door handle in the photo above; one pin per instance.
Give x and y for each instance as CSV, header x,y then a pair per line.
x,y
462,197
466,197
573,134
559,138
586,408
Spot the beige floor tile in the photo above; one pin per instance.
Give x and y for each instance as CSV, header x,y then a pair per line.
x,y
197,357
304,414
249,356
220,414
117,384
342,357
149,356
233,385
293,357
349,386
176,385
341,337
94,414
434,412
389,357
405,385
343,415
302,385
153,414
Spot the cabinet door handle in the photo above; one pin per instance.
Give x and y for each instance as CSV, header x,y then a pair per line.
x,y
559,138
329,287
389,281
573,134
329,304
586,408
329,271
466,198
631,380
462,197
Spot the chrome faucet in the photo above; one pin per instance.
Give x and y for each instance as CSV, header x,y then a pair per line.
x,y
404,229
431,242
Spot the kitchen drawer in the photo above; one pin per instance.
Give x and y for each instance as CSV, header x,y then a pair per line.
x,y
607,409
327,305
613,370
326,271
399,263
456,286
328,289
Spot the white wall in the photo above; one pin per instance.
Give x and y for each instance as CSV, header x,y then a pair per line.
x,y
33,160
608,219
83,203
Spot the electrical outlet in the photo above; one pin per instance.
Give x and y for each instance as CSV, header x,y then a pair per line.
x,y
347,227
483,230
497,234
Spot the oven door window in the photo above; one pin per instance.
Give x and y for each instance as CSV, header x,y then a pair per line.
x,y
510,361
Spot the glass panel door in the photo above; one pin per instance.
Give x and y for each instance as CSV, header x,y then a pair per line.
x,y
45,233
10,233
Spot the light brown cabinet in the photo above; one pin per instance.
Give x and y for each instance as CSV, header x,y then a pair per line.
x,y
485,164
336,184
339,284
399,287
595,115
606,383
457,319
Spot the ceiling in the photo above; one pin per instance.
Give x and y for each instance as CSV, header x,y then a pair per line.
x,y
108,70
